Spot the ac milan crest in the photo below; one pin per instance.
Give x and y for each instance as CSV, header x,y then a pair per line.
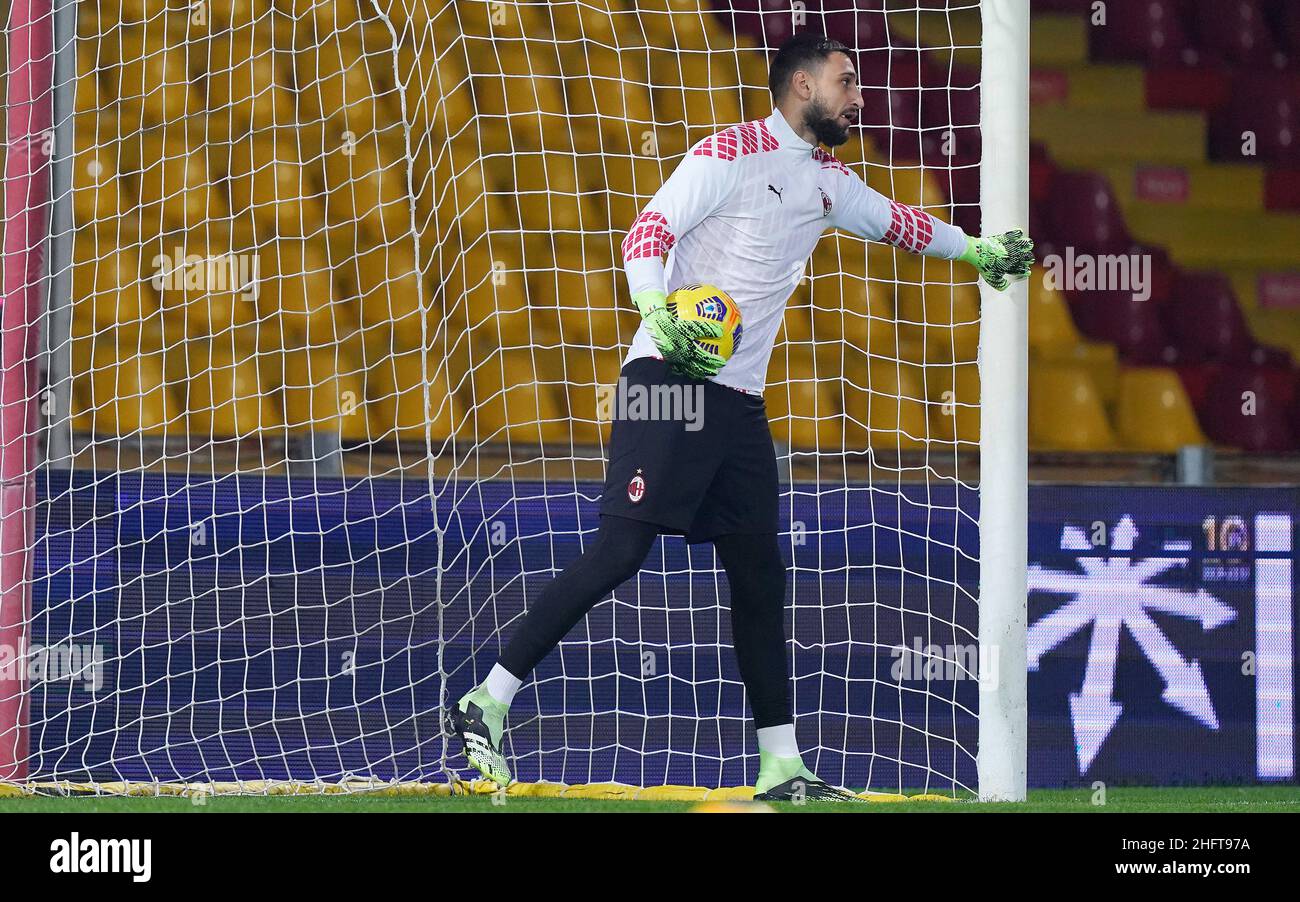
x,y
636,488
826,202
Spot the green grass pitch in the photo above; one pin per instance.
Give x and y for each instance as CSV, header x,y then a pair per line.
x,y
1118,799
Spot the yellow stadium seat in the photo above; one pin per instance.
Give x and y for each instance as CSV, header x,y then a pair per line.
x,y
398,387
1100,359
1153,412
850,308
1051,325
245,89
796,326
909,185
336,85
590,377
942,318
96,192
364,186
953,393
129,393
229,14
511,400
1065,410
297,291
175,189
389,291
206,289
113,288
801,405
226,396
267,182
884,404
324,391
150,79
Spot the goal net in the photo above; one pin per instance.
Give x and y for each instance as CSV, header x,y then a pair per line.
x,y
308,363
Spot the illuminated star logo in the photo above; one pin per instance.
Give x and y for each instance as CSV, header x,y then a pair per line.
x,y
1113,593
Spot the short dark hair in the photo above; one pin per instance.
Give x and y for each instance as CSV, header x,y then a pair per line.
x,y
807,51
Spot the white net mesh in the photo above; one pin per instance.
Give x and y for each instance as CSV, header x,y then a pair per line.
x,y
334,307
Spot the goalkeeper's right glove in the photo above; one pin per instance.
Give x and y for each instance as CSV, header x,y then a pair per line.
x,y
677,339
999,256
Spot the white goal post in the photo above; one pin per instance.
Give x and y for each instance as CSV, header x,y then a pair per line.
x,y
1004,384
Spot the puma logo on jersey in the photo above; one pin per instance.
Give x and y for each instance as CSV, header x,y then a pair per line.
x,y
776,191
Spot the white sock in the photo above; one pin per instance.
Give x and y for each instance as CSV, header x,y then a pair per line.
x,y
502,685
779,741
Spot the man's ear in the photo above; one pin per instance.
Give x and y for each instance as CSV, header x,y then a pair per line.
x,y
801,82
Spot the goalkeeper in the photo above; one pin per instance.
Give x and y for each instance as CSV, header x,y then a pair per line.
x,y
742,211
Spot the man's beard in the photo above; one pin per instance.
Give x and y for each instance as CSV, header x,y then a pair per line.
x,y
824,125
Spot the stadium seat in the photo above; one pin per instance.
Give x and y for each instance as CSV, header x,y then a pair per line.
x,y
227,398
1205,319
149,78
511,402
1153,412
390,292
1083,212
591,377
1249,408
884,403
853,309
953,396
801,404
396,387
96,188
175,189
1066,411
324,391
1099,359
363,184
1151,31
245,89
1051,325
112,288
336,85
267,181
1237,32
1265,107
297,291
941,319
129,393
1134,327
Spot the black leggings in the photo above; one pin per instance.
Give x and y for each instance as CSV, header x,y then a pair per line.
x,y
755,571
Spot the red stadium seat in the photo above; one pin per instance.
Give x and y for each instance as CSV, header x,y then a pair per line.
x,y
1151,31
1205,320
1237,31
1133,326
1084,213
1268,107
1249,408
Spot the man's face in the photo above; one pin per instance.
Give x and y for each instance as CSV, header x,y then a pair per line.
x,y
836,101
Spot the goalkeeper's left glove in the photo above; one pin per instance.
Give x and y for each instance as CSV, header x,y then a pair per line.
x,y
1001,259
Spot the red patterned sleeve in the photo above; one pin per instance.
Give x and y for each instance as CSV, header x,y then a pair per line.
x,y
866,212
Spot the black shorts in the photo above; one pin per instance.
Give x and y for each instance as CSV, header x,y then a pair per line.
x,y
691,456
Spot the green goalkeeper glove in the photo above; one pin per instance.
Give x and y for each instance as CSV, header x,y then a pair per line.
x,y
1001,256
676,339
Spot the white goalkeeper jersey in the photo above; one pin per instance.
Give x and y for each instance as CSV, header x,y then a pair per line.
x,y
743,211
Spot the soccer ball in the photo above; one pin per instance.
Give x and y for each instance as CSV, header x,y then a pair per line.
x,y
707,302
